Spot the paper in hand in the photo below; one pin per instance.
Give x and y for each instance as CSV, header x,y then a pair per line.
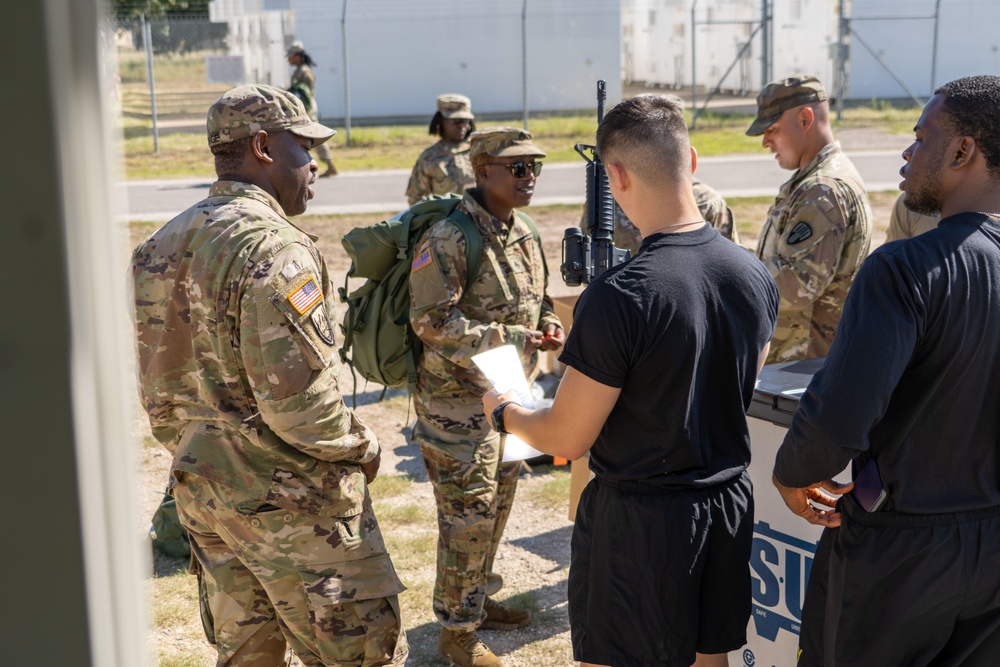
x,y
502,367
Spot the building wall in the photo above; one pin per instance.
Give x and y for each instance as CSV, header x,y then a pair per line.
x,y
402,55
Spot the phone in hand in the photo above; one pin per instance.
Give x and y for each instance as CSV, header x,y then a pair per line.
x,y
868,491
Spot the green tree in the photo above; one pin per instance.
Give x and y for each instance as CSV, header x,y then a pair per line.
x,y
177,26
132,9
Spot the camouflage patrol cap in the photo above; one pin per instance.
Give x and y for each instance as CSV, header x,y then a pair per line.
x,y
455,106
295,48
246,110
502,141
782,95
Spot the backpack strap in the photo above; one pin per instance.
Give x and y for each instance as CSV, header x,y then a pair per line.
x,y
538,239
473,259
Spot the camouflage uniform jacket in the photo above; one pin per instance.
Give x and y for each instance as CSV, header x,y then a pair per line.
x,y
237,361
817,233
304,79
506,299
441,169
710,203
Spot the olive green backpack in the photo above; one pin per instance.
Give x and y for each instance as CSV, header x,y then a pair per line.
x,y
379,343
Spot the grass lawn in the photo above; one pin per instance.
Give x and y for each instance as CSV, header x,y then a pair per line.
x,y
185,154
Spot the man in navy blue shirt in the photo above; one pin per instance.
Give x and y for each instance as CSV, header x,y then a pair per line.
x,y
911,388
661,363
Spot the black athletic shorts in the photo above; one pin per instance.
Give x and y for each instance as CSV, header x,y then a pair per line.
x,y
899,589
657,576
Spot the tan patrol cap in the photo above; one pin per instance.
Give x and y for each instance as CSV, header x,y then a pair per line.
x,y
782,95
502,141
295,48
455,106
246,110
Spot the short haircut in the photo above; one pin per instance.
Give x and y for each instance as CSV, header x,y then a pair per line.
x,y
229,156
648,136
972,109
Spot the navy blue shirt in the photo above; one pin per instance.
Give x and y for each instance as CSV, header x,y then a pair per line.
x,y
913,377
679,329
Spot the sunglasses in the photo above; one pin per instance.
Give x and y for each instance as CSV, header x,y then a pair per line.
x,y
521,169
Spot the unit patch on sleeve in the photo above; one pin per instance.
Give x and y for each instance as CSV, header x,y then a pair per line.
x,y
305,296
800,232
422,260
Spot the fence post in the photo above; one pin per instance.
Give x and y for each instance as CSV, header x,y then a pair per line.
x,y
841,61
934,51
524,61
347,78
765,42
694,68
147,38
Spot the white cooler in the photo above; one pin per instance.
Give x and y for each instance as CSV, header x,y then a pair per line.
x,y
783,544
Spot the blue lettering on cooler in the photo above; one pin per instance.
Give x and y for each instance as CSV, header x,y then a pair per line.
x,y
779,568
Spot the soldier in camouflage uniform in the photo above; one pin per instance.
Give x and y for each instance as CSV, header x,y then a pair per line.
x,y
819,228
445,167
238,372
905,224
506,304
303,86
710,203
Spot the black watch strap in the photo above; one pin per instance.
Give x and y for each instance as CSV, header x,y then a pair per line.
x,y
498,424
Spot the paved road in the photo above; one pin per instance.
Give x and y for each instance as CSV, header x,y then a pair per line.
x,y
560,183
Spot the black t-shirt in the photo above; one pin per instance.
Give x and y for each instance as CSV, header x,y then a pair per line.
x,y
678,328
913,376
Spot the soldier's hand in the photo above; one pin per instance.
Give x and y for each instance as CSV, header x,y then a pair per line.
x,y
370,469
553,337
804,502
533,339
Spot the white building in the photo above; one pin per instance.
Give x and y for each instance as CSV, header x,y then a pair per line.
x,y
891,43
545,55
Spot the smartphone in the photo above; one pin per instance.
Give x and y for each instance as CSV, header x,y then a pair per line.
x,y
868,491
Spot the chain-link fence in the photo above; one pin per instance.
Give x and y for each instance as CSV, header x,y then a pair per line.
x,y
385,61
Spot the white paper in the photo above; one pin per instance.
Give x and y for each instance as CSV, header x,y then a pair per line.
x,y
502,367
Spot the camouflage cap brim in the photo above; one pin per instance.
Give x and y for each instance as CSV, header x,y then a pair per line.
x,y
761,123
318,132
520,149
458,114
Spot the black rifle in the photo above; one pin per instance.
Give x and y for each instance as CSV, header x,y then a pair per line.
x,y
586,256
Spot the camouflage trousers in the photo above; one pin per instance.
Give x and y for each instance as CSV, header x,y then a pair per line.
x,y
474,499
275,579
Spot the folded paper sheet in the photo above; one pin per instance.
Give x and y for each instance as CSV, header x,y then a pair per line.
x,y
502,367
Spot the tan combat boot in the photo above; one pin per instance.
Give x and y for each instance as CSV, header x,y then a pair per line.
x,y
463,648
503,617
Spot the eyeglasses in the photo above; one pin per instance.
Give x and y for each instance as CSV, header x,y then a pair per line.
x,y
521,169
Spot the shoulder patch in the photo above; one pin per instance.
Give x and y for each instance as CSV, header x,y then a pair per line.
x,y
305,296
422,260
800,232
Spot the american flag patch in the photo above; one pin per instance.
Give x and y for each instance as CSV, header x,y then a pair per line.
x,y
305,296
421,260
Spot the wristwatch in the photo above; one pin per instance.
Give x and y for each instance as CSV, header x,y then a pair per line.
x,y
498,417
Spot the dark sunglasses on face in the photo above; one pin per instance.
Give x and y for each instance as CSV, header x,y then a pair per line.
x,y
521,169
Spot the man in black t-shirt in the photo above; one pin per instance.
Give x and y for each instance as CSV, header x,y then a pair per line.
x,y
661,363
909,392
